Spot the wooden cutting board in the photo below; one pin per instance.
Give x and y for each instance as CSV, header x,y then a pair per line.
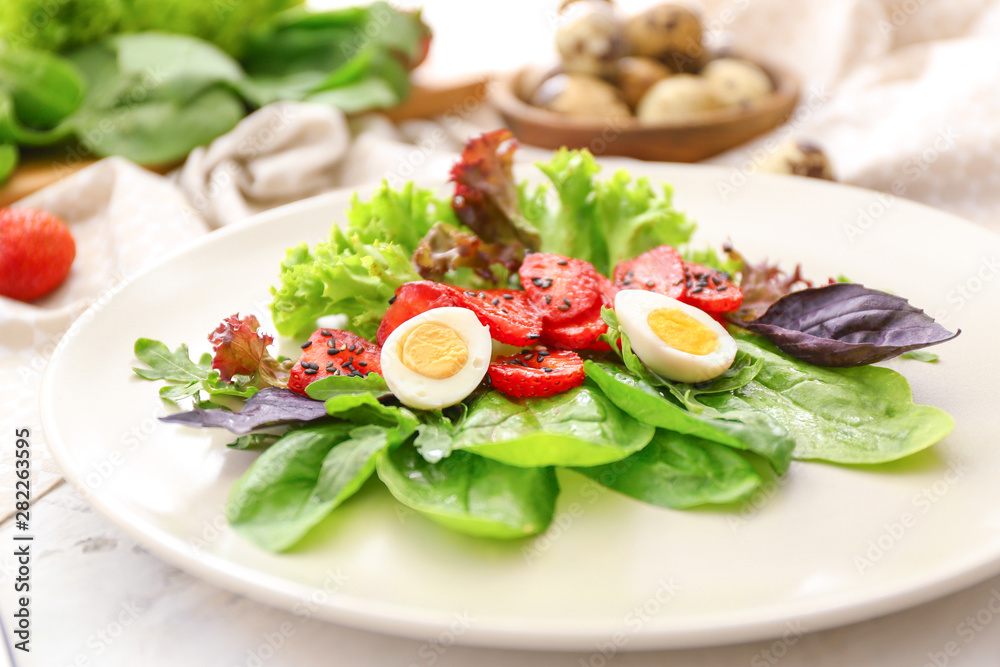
x,y
427,99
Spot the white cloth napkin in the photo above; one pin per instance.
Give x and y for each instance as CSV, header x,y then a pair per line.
x,y
902,95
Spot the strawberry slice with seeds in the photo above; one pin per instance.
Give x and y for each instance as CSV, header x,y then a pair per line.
x,y
333,352
414,298
536,373
582,333
561,288
512,319
658,270
710,290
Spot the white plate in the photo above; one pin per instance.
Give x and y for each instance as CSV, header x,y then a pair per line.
x,y
828,545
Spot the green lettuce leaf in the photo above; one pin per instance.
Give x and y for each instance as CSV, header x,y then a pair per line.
x,y
472,494
300,479
679,471
358,269
861,415
579,427
601,221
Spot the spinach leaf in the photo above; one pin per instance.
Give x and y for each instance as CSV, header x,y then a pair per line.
x,y
742,429
844,415
43,88
8,161
579,427
155,97
300,479
339,385
472,494
679,471
253,441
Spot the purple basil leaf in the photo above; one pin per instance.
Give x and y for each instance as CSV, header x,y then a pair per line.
x,y
846,324
267,407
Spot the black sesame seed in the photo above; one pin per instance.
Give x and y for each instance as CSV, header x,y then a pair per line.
x,y
332,351
562,262
508,296
563,307
716,281
482,295
698,290
721,288
650,283
542,354
528,356
566,301
504,311
487,380
306,344
548,299
330,367
351,348
362,363
392,299
627,281
325,332
311,371
494,302
547,369
534,336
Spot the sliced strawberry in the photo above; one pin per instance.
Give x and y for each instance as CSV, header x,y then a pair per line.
x,y
333,352
582,333
512,319
658,270
607,290
535,373
710,290
561,288
412,299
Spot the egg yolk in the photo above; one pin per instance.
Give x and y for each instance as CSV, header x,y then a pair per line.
x,y
682,332
433,350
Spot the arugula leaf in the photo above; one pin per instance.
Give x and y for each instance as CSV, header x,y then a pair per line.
x,y
679,471
185,377
300,479
846,415
472,494
579,427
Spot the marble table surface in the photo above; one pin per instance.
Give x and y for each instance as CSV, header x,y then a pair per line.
x,y
100,599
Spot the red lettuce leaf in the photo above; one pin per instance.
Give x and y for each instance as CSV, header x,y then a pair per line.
x,y
268,407
846,324
241,350
446,247
762,284
486,195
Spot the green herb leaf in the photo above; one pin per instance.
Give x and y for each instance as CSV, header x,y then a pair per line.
x,y
472,494
679,471
579,427
921,355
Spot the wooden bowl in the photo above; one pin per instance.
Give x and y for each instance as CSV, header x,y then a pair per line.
x,y
691,140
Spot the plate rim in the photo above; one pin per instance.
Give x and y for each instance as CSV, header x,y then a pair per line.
x,y
406,620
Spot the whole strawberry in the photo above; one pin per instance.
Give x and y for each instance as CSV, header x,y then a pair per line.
x,y
36,251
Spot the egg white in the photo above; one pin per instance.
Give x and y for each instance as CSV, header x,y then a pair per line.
x,y
632,307
424,393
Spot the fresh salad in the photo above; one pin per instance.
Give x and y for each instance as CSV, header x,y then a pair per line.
x,y
492,337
